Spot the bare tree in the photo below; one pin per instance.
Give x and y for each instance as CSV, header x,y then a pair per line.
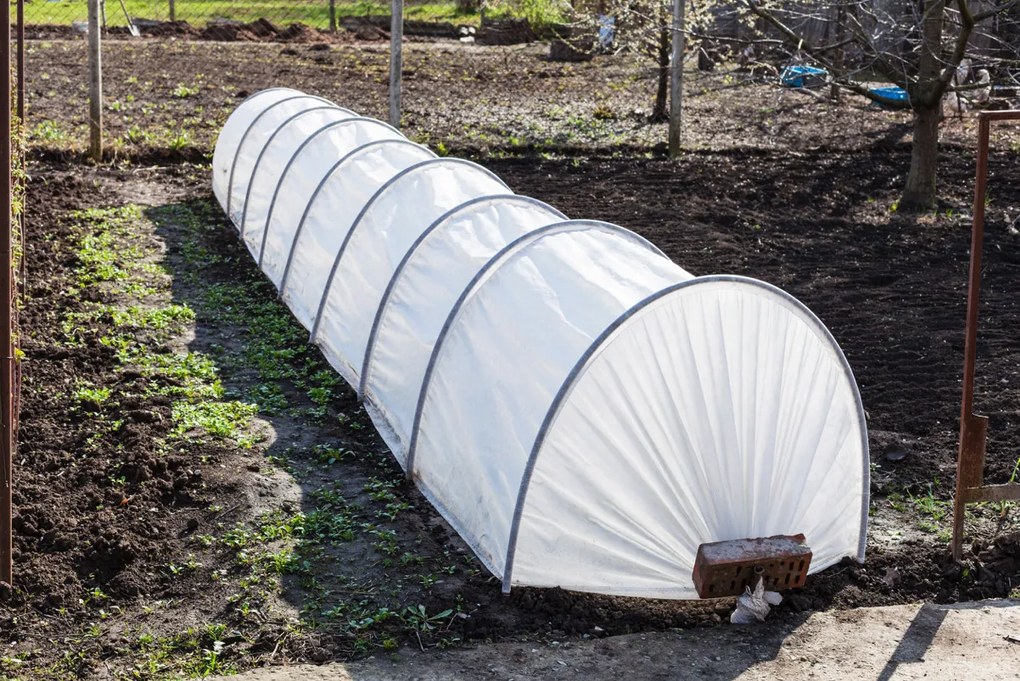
x,y
917,45
646,27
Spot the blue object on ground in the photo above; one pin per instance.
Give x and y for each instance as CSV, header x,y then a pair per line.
x,y
894,93
802,76
607,31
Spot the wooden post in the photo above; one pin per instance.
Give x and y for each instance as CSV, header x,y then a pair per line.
x,y
332,15
676,78
396,60
173,10
95,84
6,311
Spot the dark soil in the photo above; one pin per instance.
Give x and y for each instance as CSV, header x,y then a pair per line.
x,y
261,30
805,202
168,99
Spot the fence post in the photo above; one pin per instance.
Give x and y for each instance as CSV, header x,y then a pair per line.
x,y
95,84
676,79
6,310
173,10
332,15
396,60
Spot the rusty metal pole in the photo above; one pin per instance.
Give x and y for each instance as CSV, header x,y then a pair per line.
x,y
19,281
21,64
971,455
970,462
6,275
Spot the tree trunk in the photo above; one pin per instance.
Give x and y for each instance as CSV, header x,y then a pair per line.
x,y
919,194
676,77
926,97
836,92
659,112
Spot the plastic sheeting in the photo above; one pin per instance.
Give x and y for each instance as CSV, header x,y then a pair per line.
x,y
583,411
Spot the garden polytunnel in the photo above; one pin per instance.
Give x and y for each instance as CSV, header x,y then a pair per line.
x,y
584,412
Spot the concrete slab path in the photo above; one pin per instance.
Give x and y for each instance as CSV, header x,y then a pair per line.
x,y
967,641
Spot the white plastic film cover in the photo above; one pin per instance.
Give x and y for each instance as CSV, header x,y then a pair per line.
x,y
330,217
512,345
720,411
305,178
233,131
583,411
378,242
275,161
254,141
422,294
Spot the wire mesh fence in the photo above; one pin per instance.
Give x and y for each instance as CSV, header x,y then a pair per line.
x,y
152,16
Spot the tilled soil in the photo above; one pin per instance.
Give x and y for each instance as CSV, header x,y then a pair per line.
x,y
816,219
169,99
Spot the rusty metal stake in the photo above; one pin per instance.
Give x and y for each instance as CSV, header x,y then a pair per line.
x,y
19,278
6,299
970,464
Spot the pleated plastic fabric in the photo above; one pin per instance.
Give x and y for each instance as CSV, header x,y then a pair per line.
x,y
293,147
417,303
331,216
388,227
743,414
583,411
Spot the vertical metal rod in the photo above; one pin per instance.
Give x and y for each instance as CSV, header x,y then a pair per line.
x,y
21,61
968,427
173,10
332,16
977,238
6,274
95,84
19,281
676,78
396,60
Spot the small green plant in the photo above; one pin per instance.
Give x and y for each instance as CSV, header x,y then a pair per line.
x,y
95,397
933,510
416,617
180,141
1004,505
48,131
183,91
218,419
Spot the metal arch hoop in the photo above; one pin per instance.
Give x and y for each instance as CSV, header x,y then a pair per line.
x,y
318,189
262,153
442,219
244,135
514,248
297,152
266,91
582,364
368,204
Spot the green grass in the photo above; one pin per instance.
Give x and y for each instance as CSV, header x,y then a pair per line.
x,y
219,419
88,394
281,12
138,323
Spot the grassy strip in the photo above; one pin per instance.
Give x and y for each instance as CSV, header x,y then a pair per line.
x,y
200,12
365,579
140,323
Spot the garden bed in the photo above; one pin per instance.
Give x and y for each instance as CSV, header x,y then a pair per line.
x,y
197,492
